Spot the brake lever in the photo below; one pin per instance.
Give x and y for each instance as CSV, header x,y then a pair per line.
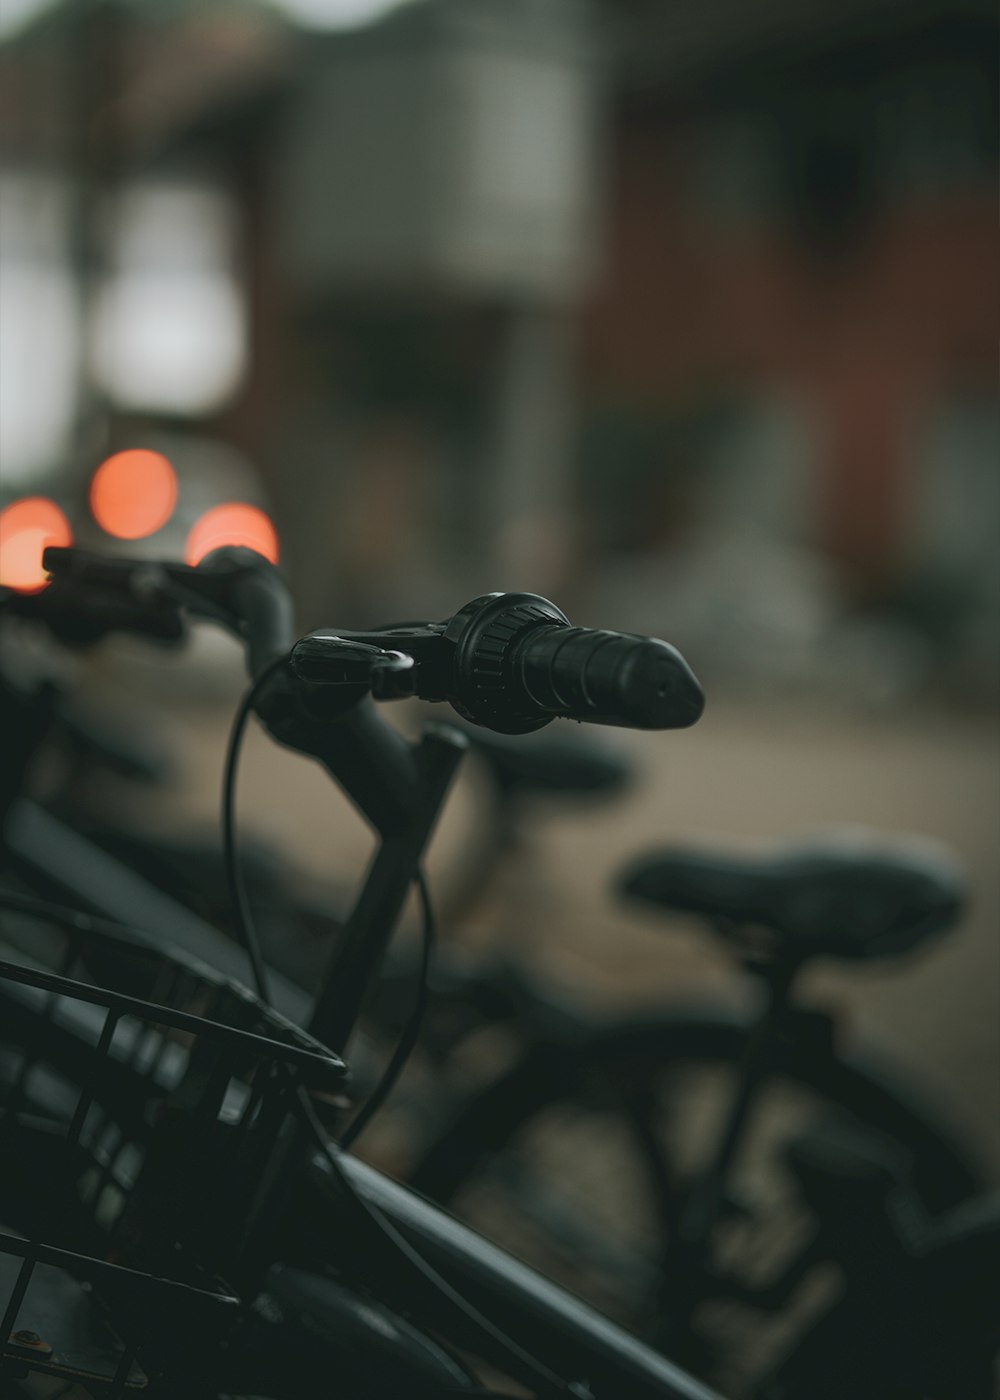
x,y
323,659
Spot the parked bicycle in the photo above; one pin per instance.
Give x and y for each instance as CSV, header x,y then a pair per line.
x,y
732,1137
582,1083
324,1211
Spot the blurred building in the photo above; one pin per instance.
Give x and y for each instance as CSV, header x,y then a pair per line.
x,y
550,290
803,203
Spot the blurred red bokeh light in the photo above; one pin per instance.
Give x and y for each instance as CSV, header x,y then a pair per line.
x,y
233,523
133,493
27,528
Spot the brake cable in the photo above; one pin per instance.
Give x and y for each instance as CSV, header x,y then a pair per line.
x,y
553,1384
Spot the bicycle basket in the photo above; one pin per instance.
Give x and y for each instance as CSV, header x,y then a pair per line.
x,y
146,1121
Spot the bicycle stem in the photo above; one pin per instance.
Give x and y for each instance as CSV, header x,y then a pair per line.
x,y
376,911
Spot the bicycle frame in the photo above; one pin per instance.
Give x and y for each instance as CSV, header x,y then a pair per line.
x,y
550,1322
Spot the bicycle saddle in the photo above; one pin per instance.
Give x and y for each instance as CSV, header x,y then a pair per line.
x,y
855,897
552,763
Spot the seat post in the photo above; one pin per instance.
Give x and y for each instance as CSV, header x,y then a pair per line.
x,y
702,1209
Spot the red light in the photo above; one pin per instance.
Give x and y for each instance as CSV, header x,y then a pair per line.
x,y
27,528
232,524
133,493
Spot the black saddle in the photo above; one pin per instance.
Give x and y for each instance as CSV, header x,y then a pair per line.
x,y
830,897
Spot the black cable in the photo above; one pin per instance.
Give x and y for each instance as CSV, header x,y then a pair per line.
x,y
553,1385
245,931
247,934
411,1031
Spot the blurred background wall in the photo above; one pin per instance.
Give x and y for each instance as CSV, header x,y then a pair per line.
x,y
683,314
692,308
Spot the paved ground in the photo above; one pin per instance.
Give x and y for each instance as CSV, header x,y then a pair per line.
x,y
743,776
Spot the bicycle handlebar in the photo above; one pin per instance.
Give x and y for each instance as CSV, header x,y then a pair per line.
x,y
512,662
256,596
82,620
508,661
235,587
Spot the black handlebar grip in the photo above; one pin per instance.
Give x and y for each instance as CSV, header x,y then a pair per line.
x,y
518,664
606,678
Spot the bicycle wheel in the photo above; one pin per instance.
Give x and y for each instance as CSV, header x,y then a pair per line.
x,y
578,1157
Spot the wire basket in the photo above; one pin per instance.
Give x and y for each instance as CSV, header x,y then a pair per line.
x,y
146,1133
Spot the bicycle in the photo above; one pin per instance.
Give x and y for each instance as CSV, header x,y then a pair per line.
x,y
743,1130
580,1065
399,787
